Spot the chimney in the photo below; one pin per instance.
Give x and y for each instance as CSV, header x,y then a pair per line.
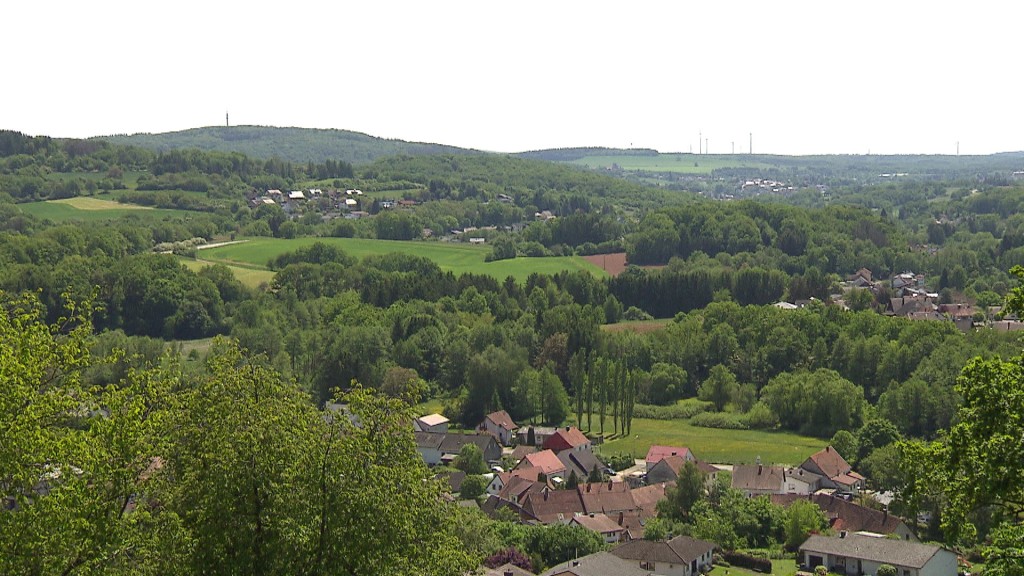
x,y
545,495
828,448
609,485
588,488
758,469
620,518
842,533
508,572
567,428
591,514
885,518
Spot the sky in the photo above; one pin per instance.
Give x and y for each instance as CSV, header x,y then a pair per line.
x,y
867,77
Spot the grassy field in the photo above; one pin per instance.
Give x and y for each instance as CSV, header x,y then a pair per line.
x,y
454,257
785,567
250,277
681,163
85,208
714,445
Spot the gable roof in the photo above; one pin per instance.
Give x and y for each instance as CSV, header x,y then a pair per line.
x,y
827,461
429,440
452,443
757,477
501,419
656,453
580,461
566,438
883,550
599,523
598,564
647,497
505,569
553,506
520,451
606,497
545,460
845,515
679,550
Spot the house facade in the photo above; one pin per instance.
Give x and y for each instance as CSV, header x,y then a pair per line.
x,y
854,554
568,438
500,424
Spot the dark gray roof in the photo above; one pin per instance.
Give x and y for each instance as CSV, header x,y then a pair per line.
x,y
429,440
580,461
679,550
452,442
884,550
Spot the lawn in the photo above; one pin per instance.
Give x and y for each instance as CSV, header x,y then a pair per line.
x,y
85,208
639,326
681,163
250,277
712,444
457,258
785,567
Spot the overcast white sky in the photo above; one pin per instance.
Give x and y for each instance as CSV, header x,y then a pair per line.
x,y
803,77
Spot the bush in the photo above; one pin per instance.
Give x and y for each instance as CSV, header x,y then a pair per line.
x,y
722,420
618,462
750,562
760,417
672,412
633,314
886,570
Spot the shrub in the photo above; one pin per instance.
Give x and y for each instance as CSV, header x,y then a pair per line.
x,y
745,561
760,417
886,570
672,412
633,314
722,420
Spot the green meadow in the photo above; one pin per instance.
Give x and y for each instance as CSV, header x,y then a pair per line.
x,y
682,163
712,444
90,209
250,277
454,257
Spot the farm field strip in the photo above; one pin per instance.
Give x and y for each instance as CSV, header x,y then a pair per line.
x,y
90,209
681,163
451,257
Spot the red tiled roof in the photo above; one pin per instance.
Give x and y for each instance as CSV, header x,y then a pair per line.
x,y
599,523
656,453
545,459
566,438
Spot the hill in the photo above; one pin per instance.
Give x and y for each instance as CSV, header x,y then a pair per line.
x,y
293,144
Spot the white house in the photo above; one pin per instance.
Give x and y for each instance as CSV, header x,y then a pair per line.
x,y
855,554
680,556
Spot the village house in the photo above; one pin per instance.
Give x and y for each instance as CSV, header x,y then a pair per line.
x,y
431,423
843,515
547,462
582,463
655,453
854,554
835,471
667,470
610,530
758,479
568,438
500,424
438,447
598,564
680,556
534,435
506,570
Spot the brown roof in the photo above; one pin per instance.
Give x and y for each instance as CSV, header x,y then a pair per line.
x,y
606,497
829,462
599,523
502,420
844,515
646,498
679,550
598,564
520,452
756,477
553,506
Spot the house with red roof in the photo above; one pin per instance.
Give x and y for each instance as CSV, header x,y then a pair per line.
x,y
500,424
546,461
836,472
568,438
656,453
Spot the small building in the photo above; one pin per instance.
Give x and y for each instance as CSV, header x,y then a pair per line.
x,y
539,435
655,453
547,462
568,438
835,471
501,425
854,554
680,556
431,423
603,525
758,480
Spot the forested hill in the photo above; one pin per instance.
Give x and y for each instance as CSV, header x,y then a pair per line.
x,y
293,144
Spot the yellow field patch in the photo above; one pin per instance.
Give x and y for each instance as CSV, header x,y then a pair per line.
x,y
86,203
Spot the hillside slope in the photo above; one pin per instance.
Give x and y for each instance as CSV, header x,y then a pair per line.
x,y
294,144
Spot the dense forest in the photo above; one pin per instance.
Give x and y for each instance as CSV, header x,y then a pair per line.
x,y
108,328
